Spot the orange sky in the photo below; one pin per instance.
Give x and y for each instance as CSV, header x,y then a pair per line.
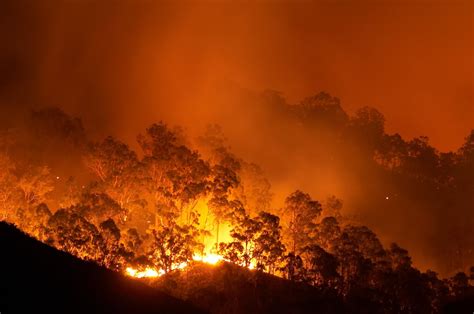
x,y
131,62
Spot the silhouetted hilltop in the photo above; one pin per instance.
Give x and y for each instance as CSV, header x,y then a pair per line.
x,y
36,278
228,288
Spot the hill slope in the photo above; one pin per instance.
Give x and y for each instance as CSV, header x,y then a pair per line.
x,y
227,288
230,289
35,278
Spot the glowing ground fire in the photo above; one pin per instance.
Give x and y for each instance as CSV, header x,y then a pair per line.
x,y
148,272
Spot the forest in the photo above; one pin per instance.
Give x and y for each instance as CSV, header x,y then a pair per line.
x,y
169,201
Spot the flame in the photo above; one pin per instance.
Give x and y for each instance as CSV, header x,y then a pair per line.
x,y
210,258
146,273
207,223
252,265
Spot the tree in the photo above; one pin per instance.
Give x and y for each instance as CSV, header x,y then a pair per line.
x,y
327,233
213,144
367,244
399,257
422,160
173,246
72,233
321,266
322,110
71,193
223,181
223,210
176,175
34,183
132,242
301,212
332,207
391,152
467,149
34,220
354,268
294,268
241,250
254,188
368,125
459,284
99,207
437,290
256,242
52,124
269,249
471,275
115,254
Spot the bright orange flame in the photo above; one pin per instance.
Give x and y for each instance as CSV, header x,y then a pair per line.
x,y
211,259
207,223
147,273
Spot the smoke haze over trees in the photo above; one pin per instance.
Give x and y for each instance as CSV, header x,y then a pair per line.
x,y
181,196
139,134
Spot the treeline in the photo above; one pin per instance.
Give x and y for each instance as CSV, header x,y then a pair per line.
x,y
395,184
102,201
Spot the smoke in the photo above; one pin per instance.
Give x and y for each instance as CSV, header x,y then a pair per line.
x,y
116,62
121,65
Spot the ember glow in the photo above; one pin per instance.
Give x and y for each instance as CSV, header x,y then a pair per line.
x,y
211,259
146,273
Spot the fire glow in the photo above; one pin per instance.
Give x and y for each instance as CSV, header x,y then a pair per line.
x,y
148,272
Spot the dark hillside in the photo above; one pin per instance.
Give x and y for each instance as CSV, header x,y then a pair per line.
x,y
35,278
230,289
227,288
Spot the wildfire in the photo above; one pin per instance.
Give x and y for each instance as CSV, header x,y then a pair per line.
x,y
210,258
147,273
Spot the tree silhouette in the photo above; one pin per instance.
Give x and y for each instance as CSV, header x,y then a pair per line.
x,y
34,220
300,212
99,207
254,190
74,234
321,266
244,233
176,176
115,254
172,246
327,233
269,249
118,170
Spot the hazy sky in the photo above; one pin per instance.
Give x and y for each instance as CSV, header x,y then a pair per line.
x,y
126,63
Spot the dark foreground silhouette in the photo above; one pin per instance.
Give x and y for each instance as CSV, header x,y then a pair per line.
x,y
227,288
35,278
